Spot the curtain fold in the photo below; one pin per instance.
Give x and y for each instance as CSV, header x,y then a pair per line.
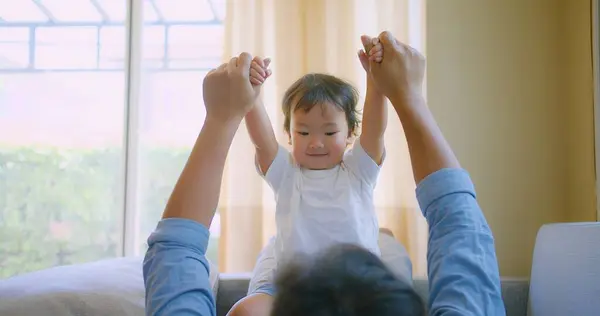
x,y
303,36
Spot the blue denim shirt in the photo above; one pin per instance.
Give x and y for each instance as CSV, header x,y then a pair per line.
x,y
462,265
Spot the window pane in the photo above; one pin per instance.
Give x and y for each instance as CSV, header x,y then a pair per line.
x,y
171,118
61,155
194,46
171,109
185,10
66,47
112,47
220,8
153,46
149,12
14,47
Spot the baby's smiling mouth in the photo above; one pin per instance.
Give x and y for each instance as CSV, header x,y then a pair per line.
x,y
316,155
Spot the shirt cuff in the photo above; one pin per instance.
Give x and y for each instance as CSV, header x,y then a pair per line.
x,y
441,183
184,232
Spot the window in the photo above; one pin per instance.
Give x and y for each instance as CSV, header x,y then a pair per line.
x,y
70,135
178,49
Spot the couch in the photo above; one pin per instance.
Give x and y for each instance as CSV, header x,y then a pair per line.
x,y
565,276
232,287
565,281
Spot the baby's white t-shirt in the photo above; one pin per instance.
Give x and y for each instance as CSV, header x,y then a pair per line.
x,y
316,209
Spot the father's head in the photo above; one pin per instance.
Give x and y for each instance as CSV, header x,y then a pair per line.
x,y
345,280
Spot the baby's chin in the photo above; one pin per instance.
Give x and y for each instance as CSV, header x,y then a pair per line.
x,y
317,163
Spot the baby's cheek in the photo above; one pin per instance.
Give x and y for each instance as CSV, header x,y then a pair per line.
x,y
339,145
298,148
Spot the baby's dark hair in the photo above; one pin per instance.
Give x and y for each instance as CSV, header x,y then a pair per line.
x,y
345,280
317,88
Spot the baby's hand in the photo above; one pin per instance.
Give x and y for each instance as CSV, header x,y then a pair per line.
x,y
259,70
376,51
373,51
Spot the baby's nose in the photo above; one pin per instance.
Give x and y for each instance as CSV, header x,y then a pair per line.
x,y
316,143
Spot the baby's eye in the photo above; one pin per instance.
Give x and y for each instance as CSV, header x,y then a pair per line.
x,y
302,133
331,133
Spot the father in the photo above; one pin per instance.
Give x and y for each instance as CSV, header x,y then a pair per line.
x,y
462,266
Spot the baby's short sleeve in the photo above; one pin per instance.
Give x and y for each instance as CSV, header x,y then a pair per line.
x,y
278,169
361,164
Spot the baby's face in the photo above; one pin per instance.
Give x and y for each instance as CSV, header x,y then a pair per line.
x,y
319,137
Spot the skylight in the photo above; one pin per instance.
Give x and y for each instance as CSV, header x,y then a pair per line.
x,y
72,11
115,9
21,11
98,11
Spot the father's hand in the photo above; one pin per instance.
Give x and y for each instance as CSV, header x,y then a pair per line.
x,y
400,74
227,90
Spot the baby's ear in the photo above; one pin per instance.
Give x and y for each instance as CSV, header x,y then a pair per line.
x,y
350,139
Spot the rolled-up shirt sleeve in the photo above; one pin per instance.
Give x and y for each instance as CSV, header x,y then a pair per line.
x,y
462,265
176,271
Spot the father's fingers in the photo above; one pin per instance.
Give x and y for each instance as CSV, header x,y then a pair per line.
x,y
220,68
388,40
386,37
244,62
232,64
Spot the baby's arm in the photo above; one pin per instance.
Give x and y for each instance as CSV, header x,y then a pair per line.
x,y
375,109
257,121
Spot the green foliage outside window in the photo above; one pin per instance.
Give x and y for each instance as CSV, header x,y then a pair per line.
x,y
61,206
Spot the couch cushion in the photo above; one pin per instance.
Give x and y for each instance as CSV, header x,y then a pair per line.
x,y
565,274
106,287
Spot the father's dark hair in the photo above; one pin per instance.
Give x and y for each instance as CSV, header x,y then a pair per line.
x,y
345,280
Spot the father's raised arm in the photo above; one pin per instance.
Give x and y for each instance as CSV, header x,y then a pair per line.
x,y
175,267
462,265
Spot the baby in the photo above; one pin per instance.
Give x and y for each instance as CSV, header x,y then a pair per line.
x,y
324,186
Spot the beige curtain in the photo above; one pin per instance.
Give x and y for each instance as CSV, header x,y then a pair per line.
x,y
304,36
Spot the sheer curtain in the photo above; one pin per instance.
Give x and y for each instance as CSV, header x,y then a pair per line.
x,y
304,36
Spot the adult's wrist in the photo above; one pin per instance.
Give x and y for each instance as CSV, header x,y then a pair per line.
x,y
407,100
372,89
231,120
